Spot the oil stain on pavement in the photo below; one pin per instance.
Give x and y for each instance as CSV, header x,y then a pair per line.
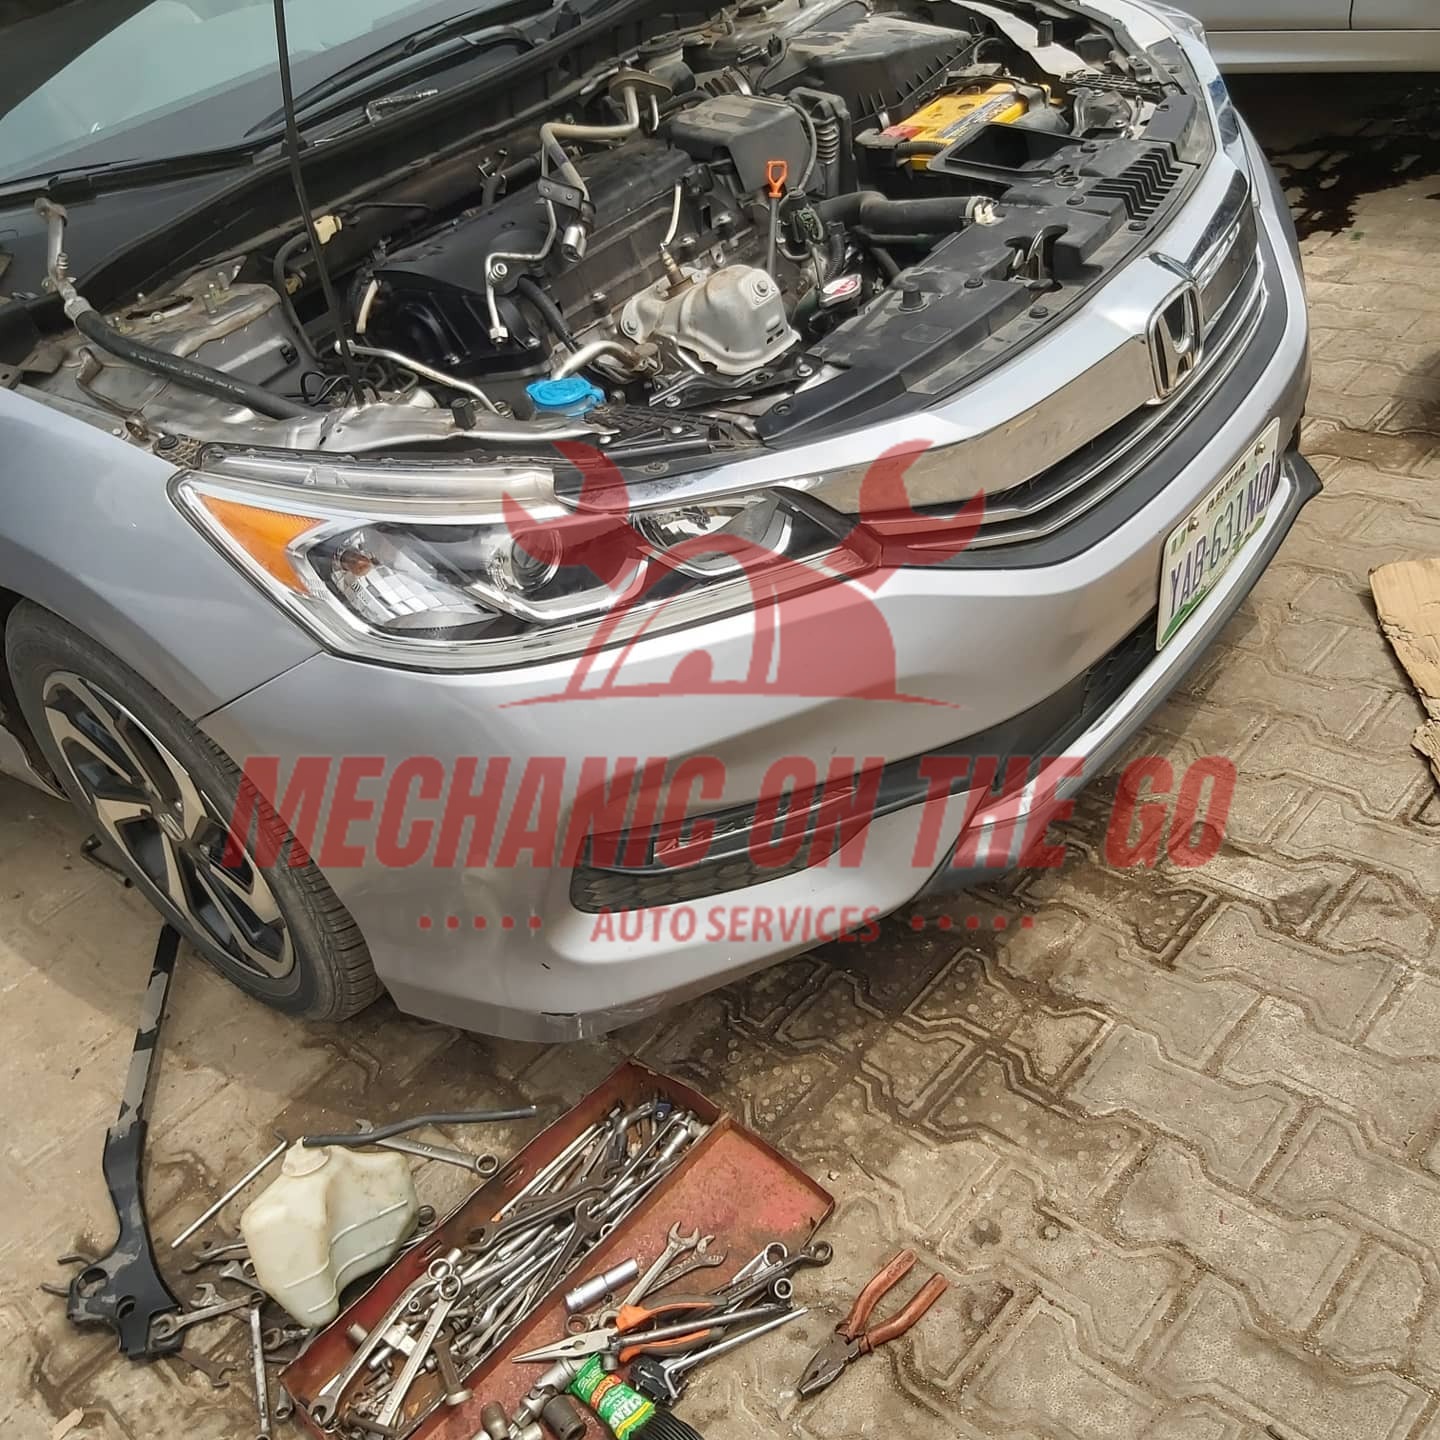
x,y
1335,139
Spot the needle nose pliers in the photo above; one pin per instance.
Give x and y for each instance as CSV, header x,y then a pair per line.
x,y
852,1338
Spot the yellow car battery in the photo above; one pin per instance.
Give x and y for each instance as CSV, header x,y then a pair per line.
x,y
950,118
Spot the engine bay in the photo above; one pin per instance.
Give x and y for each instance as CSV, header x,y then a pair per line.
x,y
758,226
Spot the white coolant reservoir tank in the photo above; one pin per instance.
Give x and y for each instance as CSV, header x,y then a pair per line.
x,y
330,1215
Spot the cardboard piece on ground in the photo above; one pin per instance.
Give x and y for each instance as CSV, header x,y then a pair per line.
x,y
1407,597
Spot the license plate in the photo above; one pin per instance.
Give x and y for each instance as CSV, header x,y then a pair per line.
x,y
1201,548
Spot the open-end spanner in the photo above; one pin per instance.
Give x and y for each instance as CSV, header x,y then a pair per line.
x,y
262,1387
676,1246
584,1230
279,1336
447,1292
215,1255
483,1238
166,1327
701,1259
215,1371
241,1271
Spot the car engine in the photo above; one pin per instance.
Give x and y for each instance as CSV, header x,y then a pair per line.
x,y
736,231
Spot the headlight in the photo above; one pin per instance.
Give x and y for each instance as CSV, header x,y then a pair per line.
x,y
493,570
1194,66
1181,21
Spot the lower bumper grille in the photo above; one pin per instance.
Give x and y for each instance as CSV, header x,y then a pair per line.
x,y
733,857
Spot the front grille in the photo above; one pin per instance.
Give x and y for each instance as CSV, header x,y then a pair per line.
x,y
1232,292
1144,186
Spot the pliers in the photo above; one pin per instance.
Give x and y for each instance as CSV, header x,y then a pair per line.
x,y
852,1339
627,1338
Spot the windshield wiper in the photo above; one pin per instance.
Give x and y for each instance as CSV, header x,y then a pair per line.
x,y
457,34
64,182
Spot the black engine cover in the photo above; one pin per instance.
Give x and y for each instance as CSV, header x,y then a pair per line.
x,y
881,65
432,296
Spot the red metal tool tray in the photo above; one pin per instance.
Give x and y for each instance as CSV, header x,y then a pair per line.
x,y
730,1184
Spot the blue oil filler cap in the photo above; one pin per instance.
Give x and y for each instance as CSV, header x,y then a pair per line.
x,y
574,395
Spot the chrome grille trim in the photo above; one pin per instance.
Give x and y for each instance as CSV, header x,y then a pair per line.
x,y
1064,493
1118,388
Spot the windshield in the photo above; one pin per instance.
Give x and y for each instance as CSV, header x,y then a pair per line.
x,y
115,80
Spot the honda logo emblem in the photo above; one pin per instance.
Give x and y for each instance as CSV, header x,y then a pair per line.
x,y
1176,340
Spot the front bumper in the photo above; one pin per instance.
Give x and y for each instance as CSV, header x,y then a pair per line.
x,y
499,946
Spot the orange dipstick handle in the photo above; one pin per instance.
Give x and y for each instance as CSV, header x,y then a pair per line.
x,y
777,172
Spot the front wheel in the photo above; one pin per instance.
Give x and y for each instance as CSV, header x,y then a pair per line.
x,y
160,795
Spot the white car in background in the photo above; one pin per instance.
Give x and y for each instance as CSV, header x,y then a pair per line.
x,y
1321,34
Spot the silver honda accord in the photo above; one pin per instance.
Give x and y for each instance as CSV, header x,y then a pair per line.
x,y
545,508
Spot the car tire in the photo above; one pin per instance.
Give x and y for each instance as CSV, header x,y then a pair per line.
x,y
124,754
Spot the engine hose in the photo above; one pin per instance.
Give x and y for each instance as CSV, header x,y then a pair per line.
x,y
883,258
898,237
280,272
907,149
879,213
503,182
549,311
190,373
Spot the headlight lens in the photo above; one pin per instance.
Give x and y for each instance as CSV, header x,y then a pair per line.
x,y
440,582
1194,66
1179,20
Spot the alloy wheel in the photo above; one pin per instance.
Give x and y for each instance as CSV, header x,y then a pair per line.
x,y
145,801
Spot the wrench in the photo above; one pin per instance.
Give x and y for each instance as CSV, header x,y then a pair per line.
x,y
213,1254
821,1252
661,1379
700,1260
166,1327
327,1399
483,1164
585,1228
241,1271
677,1246
280,1336
447,1292
215,1371
262,1389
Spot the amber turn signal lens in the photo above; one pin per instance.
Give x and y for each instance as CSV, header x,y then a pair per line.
x,y
264,535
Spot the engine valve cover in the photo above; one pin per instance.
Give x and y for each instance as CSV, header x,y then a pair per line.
x,y
732,320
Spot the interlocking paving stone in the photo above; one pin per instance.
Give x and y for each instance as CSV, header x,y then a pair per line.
x,y
1339,993
1400,1102
1329,1168
1235,1127
1214,1348
1288,1265
1042,1375
1376,1311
